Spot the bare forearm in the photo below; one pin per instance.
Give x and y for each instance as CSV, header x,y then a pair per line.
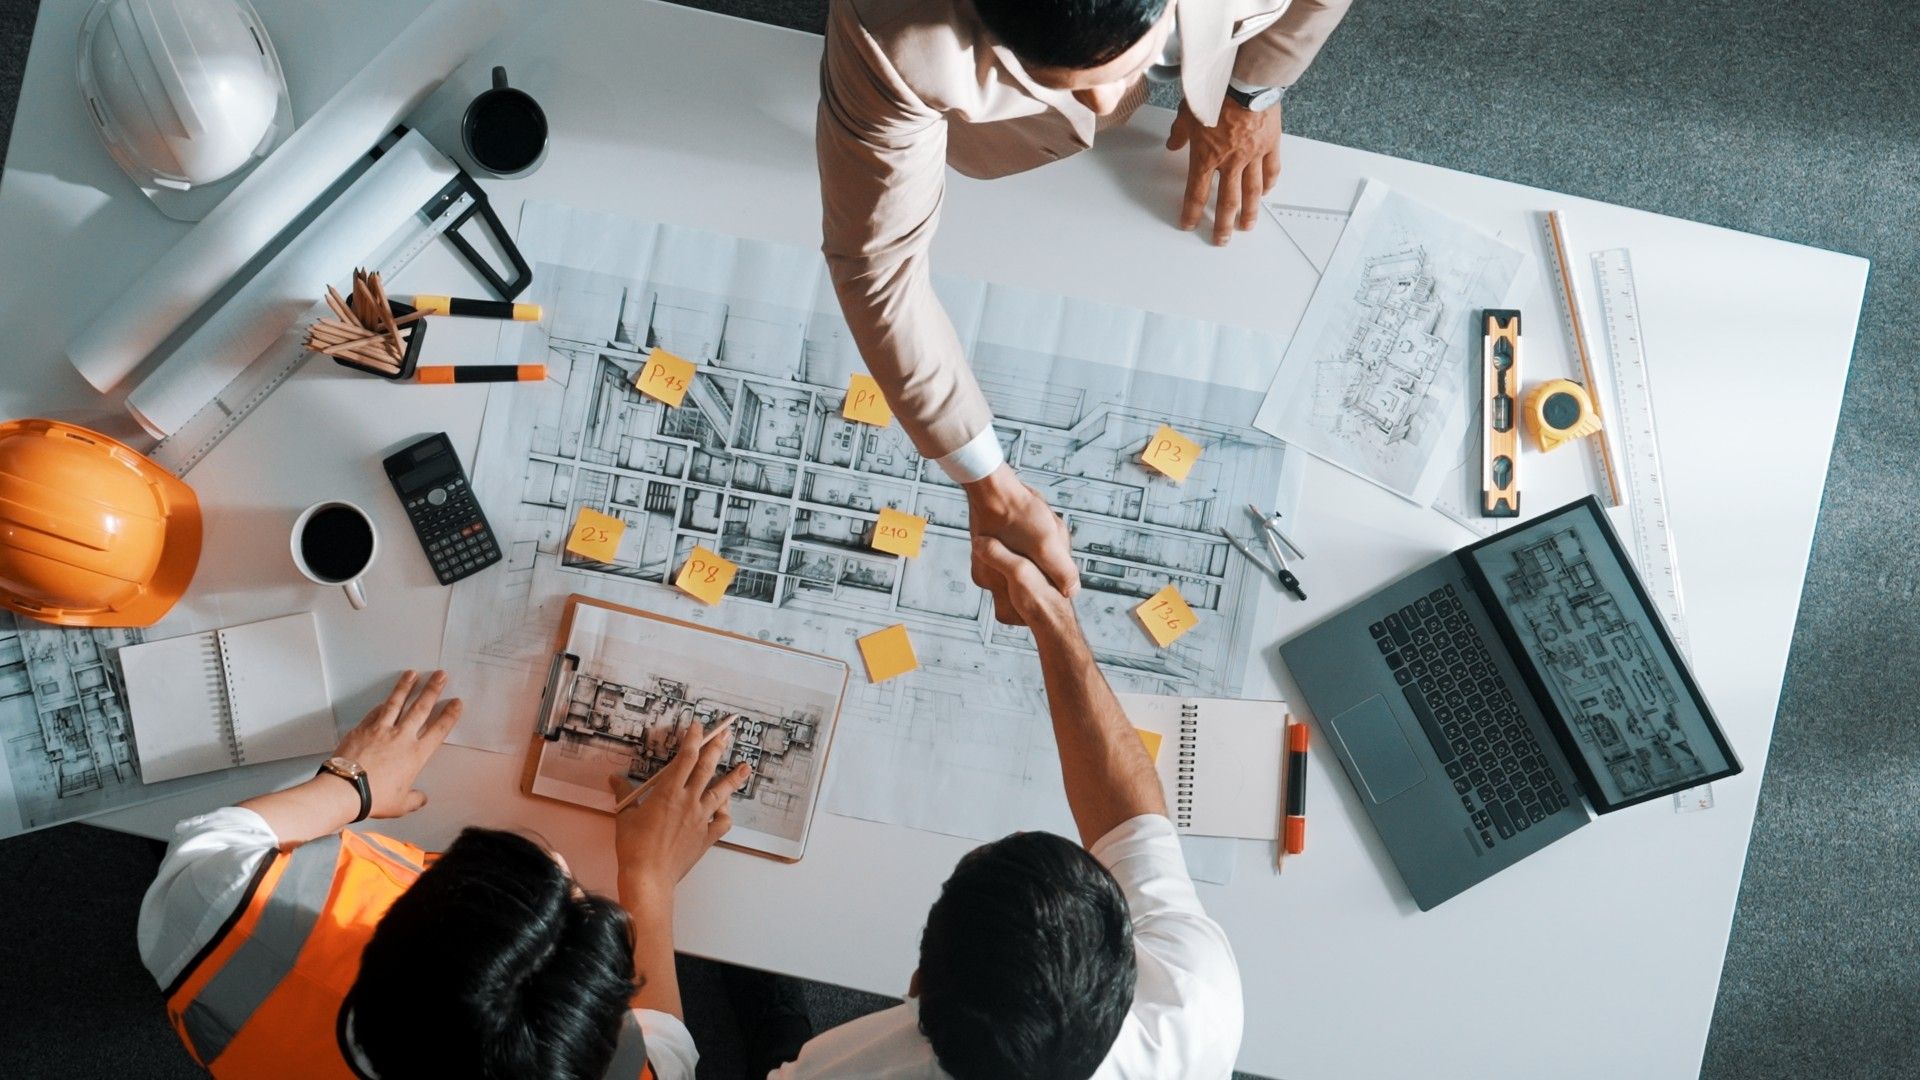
x,y
320,807
650,912
1108,775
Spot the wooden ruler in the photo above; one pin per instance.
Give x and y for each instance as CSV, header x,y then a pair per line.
x,y
1599,445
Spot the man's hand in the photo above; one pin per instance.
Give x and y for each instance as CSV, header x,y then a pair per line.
x,y
1026,590
1002,508
395,740
667,830
1242,152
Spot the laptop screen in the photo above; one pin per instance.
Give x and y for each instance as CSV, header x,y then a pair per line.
x,y
1577,611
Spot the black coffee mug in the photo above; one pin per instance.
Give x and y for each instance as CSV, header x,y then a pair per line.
x,y
505,130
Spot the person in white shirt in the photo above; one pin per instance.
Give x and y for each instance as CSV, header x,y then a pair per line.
x,y
292,947
1044,960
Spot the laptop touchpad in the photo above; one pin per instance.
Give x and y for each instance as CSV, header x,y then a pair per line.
x,y
1378,749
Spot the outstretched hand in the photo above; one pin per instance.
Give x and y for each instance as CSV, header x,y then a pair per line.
x,y
1002,508
1028,592
393,742
1238,157
683,813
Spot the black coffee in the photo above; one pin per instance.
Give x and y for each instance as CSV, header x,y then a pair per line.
x,y
337,543
506,131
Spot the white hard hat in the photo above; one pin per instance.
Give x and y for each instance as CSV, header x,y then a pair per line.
x,y
185,93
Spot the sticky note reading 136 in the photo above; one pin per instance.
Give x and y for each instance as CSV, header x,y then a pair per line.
x,y
596,535
706,575
665,377
898,533
1171,452
865,403
1166,616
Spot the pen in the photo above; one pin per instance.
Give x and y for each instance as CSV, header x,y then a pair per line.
x,y
1296,823
441,374
478,309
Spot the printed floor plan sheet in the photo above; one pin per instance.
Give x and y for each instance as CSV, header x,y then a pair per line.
x,y
758,464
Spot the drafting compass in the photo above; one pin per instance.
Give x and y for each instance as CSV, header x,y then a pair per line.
x,y
1270,532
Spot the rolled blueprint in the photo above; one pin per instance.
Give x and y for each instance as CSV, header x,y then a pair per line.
x,y
345,234
411,67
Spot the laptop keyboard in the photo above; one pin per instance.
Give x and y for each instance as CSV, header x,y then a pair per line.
x,y
1491,756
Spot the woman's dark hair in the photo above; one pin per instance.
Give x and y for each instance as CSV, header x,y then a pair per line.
x,y
1026,964
1069,33
494,965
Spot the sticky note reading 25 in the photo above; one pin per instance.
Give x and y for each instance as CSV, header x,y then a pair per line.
x,y
865,402
1171,452
596,535
1166,616
706,576
898,533
665,377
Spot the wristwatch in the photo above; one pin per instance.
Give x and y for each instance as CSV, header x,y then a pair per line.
x,y
352,773
1256,98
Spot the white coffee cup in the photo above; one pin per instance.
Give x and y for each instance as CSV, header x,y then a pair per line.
x,y
334,543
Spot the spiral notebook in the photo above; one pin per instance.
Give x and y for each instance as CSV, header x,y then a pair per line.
x,y
228,697
1219,761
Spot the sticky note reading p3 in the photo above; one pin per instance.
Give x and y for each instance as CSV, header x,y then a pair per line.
x,y
596,535
899,534
888,653
1166,616
865,403
706,576
665,377
1171,452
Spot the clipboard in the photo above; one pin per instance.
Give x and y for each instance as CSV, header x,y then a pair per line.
x,y
621,682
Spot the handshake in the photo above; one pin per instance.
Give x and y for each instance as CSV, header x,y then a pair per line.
x,y
1021,552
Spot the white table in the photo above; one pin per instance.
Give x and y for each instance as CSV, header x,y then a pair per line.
x,y
1599,957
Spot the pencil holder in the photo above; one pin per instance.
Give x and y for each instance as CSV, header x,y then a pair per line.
x,y
412,334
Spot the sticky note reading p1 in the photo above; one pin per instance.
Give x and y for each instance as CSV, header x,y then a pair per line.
x,y
596,535
1151,740
1166,616
665,378
888,653
899,534
706,576
1171,452
865,403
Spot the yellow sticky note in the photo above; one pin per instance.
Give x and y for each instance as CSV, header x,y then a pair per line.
x,y
888,653
1151,740
665,377
865,402
596,535
705,576
1171,452
1166,616
898,533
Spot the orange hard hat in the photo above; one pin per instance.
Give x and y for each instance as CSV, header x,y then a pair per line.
x,y
92,532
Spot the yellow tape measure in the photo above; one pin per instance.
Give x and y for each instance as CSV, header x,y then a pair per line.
x,y
1558,410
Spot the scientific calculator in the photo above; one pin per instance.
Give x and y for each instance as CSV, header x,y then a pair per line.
x,y
440,503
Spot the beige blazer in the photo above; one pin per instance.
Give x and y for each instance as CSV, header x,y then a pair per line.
x,y
909,87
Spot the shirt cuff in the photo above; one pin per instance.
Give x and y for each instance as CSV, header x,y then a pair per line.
x,y
670,1048
976,460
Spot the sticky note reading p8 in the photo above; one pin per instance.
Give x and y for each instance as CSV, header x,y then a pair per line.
x,y
665,377
705,576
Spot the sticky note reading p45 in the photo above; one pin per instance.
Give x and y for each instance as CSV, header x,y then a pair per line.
x,y
1166,616
665,378
706,576
1171,452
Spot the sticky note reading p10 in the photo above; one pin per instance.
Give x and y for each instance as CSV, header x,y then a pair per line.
x,y
706,576
865,403
898,533
1166,616
1171,452
596,535
665,377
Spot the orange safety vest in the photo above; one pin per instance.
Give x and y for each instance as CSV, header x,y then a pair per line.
x,y
263,999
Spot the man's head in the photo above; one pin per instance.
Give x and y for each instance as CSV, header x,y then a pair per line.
x,y
1026,963
494,964
1095,48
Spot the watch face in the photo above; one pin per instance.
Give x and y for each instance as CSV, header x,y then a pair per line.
x,y
1265,99
345,768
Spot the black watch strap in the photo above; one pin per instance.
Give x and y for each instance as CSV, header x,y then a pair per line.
x,y
358,778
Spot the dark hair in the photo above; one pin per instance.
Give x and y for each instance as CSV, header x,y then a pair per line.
x,y
1026,964
493,965
1069,33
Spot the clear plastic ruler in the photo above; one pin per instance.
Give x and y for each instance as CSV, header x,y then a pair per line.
x,y
1639,455
180,452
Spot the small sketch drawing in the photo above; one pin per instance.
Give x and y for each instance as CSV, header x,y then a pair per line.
x,y
1377,378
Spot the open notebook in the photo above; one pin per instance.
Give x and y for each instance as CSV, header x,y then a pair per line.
x,y
1219,761
228,697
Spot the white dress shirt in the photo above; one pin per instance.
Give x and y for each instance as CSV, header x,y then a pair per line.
x,y
1186,1016
201,883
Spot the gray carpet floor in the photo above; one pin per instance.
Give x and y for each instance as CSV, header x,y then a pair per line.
x,y
1800,121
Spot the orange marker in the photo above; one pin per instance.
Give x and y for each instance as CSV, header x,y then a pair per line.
x,y
1296,824
464,373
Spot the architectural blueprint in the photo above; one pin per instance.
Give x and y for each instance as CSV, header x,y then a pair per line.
x,y
1377,378
759,465
67,732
